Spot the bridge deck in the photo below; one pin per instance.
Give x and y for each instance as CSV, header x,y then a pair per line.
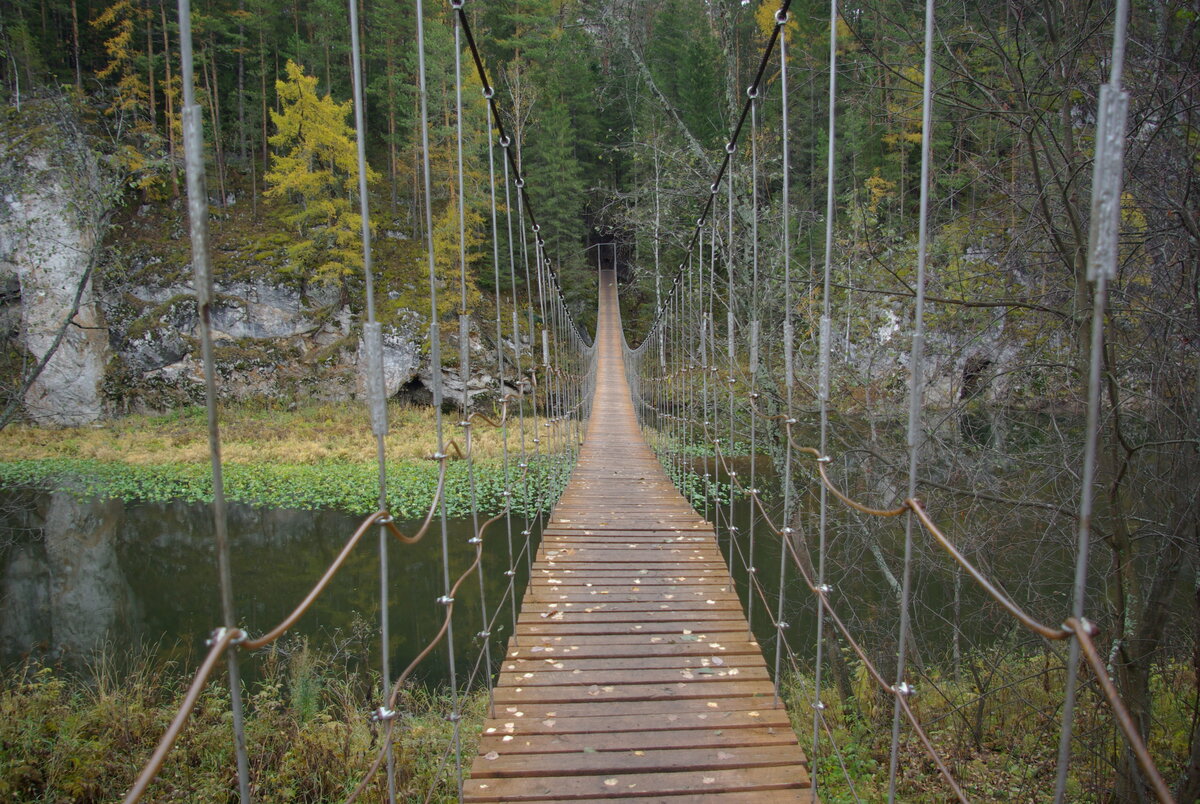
x,y
632,673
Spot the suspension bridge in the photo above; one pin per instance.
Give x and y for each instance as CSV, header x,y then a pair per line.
x,y
632,672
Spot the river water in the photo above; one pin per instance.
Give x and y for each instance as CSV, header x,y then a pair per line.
x,y
78,577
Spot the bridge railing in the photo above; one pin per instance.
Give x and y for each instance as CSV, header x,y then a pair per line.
x,y
542,421
709,382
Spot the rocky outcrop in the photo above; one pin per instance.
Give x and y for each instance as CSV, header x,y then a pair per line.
x,y
272,341
52,218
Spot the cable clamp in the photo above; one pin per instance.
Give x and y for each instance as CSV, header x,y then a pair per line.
x,y
522,466
904,688
438,456
475,540
824,588
525,533
453,717
385,519
733,474
753,491
732,528
789,421
824,459
819,706
445,600
484,634
219,634
754,395
1088,626
506,494
537,440
783,626
383,714
786,529
509,573
465,423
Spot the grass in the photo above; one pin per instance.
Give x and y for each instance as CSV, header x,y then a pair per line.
x,y
314,433
316,457
84,738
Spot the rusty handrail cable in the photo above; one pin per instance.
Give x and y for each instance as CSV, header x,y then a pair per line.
x,y
221,641
1071,628
899,692
226,637
388,713
378,518
1083,630
918,508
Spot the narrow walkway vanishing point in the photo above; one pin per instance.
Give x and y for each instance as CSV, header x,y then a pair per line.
x,y
633,672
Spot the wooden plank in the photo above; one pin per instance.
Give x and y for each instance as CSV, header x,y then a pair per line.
x,y
694,782
612,740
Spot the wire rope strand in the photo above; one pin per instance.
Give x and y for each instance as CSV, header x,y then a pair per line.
x,y
1105,228
731,349
754,335
823,388
781,25
435,363
510,573
916,393
193,134
373,342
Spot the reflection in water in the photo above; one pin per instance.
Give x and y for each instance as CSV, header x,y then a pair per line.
x,y
75,575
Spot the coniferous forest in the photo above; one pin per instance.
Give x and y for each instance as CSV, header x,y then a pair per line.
x,y
619,112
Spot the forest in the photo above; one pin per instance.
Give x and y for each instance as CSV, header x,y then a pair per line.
x,y
620,111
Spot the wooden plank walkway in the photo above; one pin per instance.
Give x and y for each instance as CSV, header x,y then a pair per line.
x,y
632,673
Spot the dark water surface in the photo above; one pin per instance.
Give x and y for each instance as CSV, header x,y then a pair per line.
x,y
77,577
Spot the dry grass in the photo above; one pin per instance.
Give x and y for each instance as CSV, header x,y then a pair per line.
x,y
316,433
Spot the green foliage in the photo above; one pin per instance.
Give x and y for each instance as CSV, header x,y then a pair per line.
x,y
346,487
83,739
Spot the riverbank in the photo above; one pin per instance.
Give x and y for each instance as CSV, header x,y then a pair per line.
x,y
320,456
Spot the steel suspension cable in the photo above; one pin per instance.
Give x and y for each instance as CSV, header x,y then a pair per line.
x,y
500,376
1101,267
781,19
435,362
376,393
916,394
464,350
823,384
193,138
